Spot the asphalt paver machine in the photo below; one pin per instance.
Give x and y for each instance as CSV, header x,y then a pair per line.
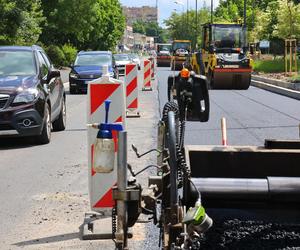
x,y
191,179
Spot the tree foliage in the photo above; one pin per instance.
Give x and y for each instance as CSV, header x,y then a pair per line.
x,y
288,25
139,27
86,24
266,19
183,26
20,21
151,29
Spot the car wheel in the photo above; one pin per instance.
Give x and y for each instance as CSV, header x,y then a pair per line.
x,y
60,123
45,136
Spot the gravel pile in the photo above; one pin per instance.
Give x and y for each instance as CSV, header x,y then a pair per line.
x,y
238,234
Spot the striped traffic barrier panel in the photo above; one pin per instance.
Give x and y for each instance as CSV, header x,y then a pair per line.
x,y
131,82
101,183
147,76
152,60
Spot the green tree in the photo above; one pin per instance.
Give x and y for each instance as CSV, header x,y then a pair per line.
x,y
266,22
179,28
151,29
288,20
20,21
86,24
108,25
139,27
67,22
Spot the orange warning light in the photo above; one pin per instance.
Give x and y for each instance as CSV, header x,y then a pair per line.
x,y
185,73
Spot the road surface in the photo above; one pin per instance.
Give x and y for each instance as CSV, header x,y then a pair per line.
x,y
44,190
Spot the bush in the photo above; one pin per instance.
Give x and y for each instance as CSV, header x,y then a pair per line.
x,y
56,55
70,53
271,66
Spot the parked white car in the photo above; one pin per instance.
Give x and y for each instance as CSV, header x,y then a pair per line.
x,y
121,60
136,59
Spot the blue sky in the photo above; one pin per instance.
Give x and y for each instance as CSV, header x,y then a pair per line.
x,y
165,7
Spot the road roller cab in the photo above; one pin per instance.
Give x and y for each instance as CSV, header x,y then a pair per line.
x,y
224,58
181,50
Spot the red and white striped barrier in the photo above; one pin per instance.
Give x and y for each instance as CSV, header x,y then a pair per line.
x,y
152,60
100,184
147,76
131,81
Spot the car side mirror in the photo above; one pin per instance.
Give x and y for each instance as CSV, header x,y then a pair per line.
x,y
71,65
53,73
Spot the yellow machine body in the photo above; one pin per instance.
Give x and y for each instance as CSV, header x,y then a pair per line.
x,y
181,50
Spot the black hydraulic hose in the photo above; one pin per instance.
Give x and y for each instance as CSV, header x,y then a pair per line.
x,y
173,158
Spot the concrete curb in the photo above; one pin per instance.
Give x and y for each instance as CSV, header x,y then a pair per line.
x,y
276,82
276,89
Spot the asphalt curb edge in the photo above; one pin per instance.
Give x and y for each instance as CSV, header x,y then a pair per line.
x,y
276,89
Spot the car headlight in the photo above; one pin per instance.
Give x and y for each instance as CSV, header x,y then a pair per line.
x,y
27,96
74,75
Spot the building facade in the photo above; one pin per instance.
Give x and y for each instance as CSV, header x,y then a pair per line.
x,y
144,13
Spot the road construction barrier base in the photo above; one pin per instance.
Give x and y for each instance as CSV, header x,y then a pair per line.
x,y
133,114
147,89
95,227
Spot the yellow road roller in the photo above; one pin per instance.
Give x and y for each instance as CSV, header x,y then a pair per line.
x,y
224,56
181,50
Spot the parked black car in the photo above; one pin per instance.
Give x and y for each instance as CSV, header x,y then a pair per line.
x,y
88,67
32,96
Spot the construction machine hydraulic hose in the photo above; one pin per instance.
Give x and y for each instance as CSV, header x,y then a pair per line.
x,y
173,158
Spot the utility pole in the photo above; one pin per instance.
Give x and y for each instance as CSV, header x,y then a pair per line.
x,y
187,17
245,25
196,45
211,11
245,13
156,32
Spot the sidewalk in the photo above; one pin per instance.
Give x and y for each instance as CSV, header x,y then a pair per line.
x,y
277,86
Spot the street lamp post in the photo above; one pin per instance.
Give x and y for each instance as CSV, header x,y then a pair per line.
x,y
196,33
211,11
187,11
180,3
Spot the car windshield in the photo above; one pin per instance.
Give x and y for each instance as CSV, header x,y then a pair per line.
x,y
121,57
163,47
135,56
93,60
17,63
228,37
